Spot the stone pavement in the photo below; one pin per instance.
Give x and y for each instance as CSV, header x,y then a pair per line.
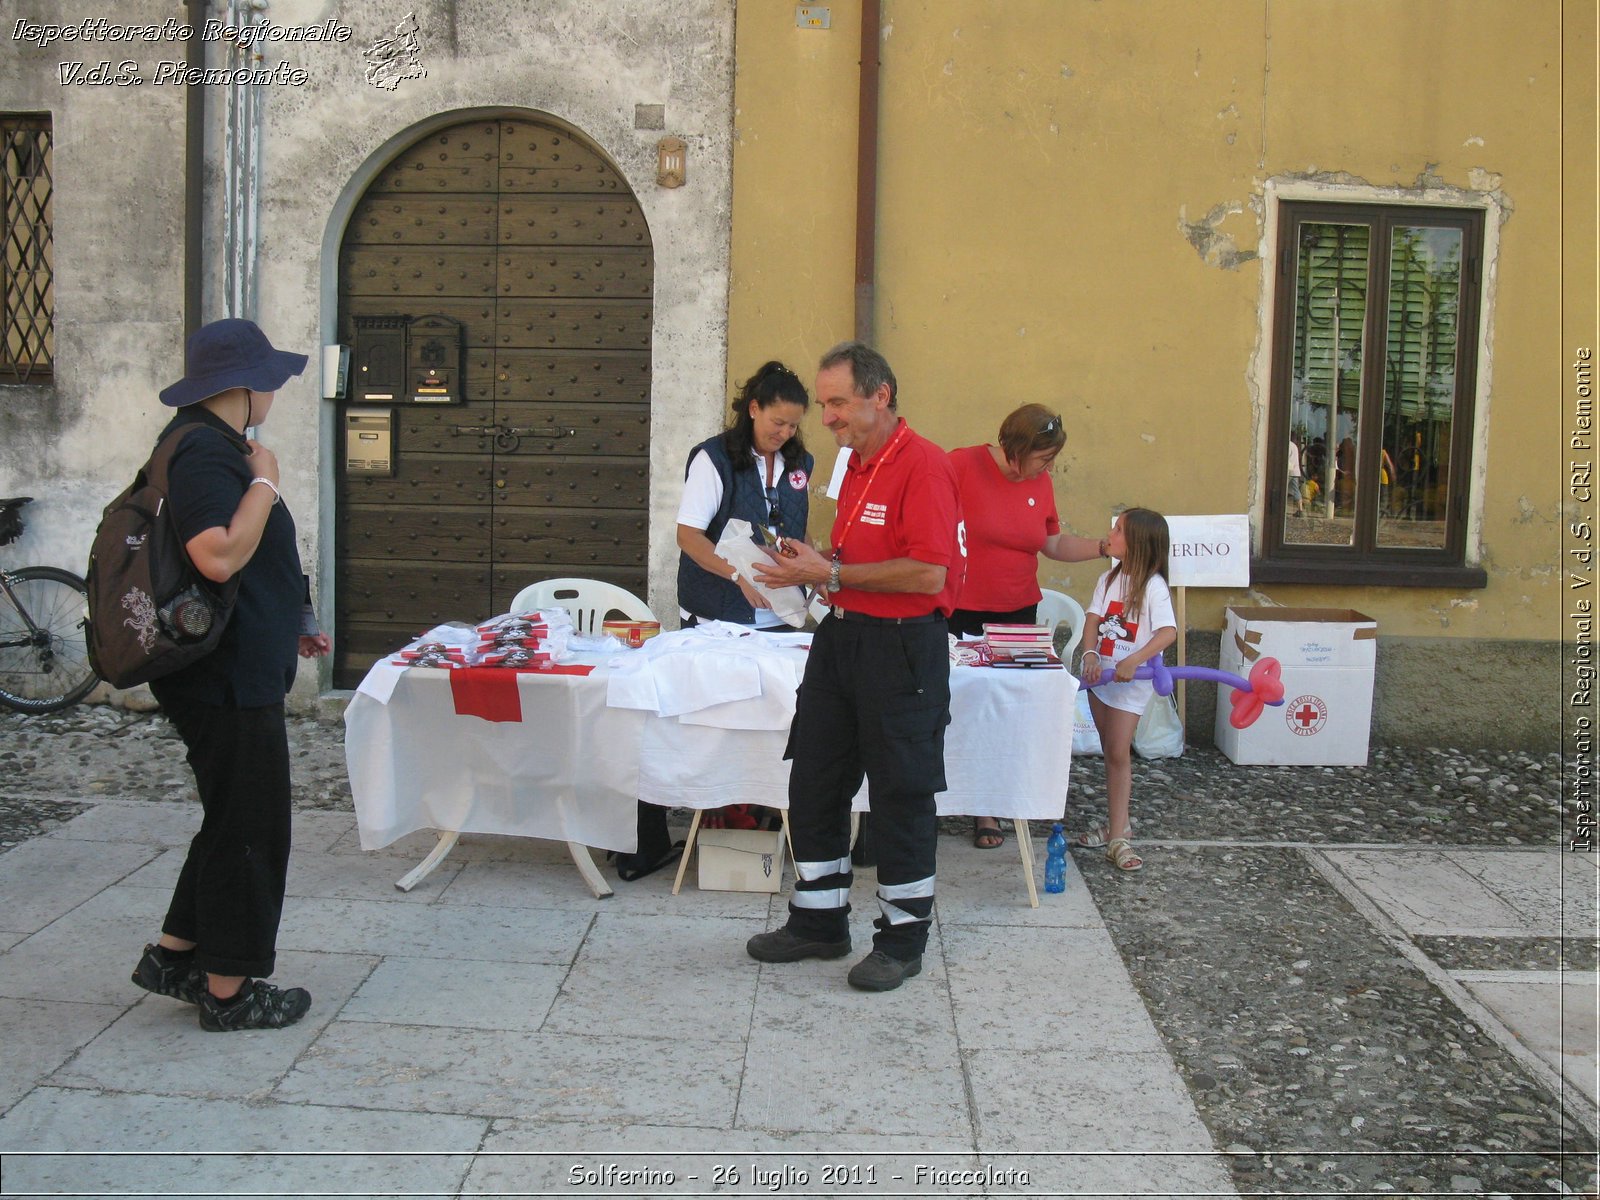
x,y
1326,981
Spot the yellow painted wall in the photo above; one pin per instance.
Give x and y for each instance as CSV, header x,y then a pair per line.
x,y
1066,190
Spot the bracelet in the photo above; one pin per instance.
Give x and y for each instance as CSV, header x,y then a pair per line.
x,y
1105,548
834,583
277,496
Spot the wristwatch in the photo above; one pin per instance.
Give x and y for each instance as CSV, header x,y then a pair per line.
x,y
1105,548
833,576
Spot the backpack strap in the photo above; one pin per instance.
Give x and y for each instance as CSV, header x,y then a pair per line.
x,y
159,465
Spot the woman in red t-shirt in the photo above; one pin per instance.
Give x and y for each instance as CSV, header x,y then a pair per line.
x,y
1008,506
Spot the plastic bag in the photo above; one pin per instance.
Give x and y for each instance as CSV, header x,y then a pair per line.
x,y
1085,737
1158,734
788,603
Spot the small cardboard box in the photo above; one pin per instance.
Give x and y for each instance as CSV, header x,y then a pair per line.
x,y
1328,656
740,860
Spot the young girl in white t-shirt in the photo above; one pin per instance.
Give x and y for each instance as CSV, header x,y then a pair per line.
x,y
1129,622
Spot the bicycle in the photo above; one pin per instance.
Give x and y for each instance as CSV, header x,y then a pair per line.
x,y
44,658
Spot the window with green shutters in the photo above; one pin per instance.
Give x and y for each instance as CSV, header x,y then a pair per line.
x,y
1373,382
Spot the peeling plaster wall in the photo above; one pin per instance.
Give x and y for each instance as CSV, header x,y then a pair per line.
x,y
119,234
117,209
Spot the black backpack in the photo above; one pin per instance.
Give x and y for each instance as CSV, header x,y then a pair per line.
x,y
150,612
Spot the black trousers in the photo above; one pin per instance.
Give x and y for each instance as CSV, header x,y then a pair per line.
x,y
874,702
969,622
229,896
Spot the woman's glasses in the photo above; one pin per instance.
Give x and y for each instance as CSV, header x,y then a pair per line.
x,y
772,505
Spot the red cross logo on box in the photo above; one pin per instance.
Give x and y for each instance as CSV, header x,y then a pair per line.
x,y
1306,715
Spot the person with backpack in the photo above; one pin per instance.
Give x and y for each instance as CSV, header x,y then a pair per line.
x,y
219,936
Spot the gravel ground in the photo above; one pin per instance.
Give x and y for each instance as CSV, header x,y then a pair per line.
x,y
1321,1058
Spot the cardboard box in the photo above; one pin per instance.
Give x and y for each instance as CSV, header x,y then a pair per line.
x,y
1328,656
740,860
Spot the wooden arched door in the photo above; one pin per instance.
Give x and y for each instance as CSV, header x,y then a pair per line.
x,y
511,255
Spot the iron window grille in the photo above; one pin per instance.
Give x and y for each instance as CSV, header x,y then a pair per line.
x,y
27,266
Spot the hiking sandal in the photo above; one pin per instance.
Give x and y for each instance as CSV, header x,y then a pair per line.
x,y
1121,854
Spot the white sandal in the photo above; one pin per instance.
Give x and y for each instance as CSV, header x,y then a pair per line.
x,y
1121,855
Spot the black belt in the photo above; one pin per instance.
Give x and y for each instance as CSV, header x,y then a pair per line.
x,y
844,614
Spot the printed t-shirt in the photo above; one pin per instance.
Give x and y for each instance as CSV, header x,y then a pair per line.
x,y
905,505
1120,637
1007,523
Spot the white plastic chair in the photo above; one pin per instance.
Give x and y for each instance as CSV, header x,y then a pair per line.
x,y
1056,607
590,601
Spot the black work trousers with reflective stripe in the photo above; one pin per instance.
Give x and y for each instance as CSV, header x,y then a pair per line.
x,y
874,701
229,895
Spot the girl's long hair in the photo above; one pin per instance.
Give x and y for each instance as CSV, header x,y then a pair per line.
x,y
772,383
1149,541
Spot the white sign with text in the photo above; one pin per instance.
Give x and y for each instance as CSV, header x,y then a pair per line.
x,y
1209,551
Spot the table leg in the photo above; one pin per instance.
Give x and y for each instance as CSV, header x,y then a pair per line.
x,y
1025,843
447,841
688,849
584,861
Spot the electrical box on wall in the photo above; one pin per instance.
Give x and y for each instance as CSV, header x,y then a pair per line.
x,y
335,371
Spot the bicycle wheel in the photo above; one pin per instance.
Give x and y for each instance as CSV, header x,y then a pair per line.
x,y
45,667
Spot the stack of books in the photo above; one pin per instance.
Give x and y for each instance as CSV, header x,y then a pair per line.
x,y
1020,645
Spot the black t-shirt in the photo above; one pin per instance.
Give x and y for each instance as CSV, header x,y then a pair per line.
x,y
254,663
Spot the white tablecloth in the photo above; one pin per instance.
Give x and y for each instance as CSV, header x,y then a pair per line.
x,y
572,767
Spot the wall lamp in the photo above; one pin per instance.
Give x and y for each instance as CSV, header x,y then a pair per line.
x,y
671,162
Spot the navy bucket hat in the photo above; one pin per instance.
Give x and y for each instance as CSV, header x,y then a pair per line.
x,y
230,353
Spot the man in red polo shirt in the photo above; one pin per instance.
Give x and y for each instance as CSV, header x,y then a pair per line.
x,y
875,699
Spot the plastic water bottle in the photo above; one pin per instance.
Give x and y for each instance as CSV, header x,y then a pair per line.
x,y
1055,860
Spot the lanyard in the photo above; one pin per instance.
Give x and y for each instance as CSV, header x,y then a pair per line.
x,y
866,487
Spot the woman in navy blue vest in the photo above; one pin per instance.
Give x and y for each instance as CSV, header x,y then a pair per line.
x,y
757,471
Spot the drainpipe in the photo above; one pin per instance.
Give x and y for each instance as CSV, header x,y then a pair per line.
x,y
194,150
867,172
242,174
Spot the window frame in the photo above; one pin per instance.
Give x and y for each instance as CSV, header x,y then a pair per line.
x,y
28,369
1364,561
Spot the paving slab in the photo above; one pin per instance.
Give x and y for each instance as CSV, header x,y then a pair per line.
x,y
691,974
87,955
457,994
380,926
502,1073
1042,989
832,1060
500,884
1553,1014
1552,891
159,1044
1052,1113
134,822
1427,892
315,1149
987,887
37,1036
49,877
